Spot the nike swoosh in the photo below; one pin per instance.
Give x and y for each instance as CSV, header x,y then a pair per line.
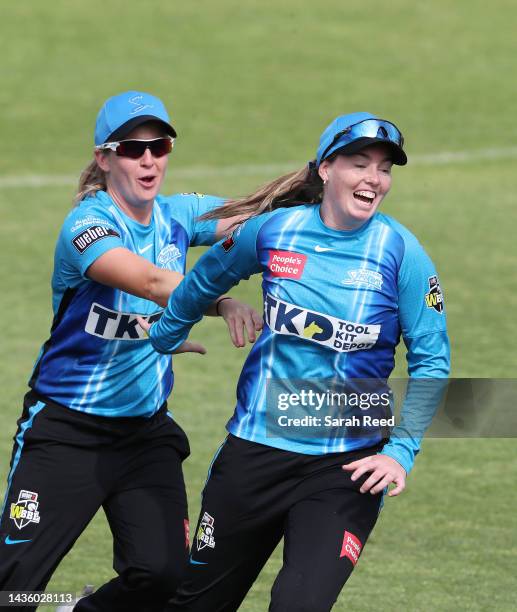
x,y
197,562
9,541
319,249
146,248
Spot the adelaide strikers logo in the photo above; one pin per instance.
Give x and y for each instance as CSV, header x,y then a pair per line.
x,y
25,510
205,533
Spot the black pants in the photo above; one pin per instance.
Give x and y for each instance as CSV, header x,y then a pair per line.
x,y
256,494
65,466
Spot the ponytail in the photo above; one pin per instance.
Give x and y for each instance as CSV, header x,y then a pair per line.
x,y
92,179
304,186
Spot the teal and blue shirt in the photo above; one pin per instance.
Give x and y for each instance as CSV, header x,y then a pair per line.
x,y
97,359
335,306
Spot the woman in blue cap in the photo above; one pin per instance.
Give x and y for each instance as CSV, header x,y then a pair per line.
x,y
309,451
95,430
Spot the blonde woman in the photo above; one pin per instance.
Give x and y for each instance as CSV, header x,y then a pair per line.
x,y
95,430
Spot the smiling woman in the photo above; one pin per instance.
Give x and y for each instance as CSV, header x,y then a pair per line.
x,y
341,284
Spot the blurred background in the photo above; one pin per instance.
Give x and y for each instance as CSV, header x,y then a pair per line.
x,y
250,86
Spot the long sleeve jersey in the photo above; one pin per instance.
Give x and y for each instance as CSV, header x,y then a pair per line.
x,y
335,306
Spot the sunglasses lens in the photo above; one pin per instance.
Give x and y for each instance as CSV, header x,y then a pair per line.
x,y
373,128
136,148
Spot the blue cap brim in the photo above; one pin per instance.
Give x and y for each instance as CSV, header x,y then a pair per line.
x,y
122,131
398,156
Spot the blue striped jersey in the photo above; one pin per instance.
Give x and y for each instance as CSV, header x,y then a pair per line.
x,y
97,359
335,306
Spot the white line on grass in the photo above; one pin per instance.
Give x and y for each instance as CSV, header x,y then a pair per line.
x,y
423,159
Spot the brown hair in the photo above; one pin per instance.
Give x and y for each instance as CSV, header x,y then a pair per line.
x,y
303,186
92,179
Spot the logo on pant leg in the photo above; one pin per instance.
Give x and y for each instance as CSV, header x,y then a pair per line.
x,y
205,533
186,527
351,547
25,510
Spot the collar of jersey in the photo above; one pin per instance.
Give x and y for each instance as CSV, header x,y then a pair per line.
x,y
331,231
107,201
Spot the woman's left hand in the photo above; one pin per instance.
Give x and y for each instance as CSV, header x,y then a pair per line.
x,y
240,317
384,471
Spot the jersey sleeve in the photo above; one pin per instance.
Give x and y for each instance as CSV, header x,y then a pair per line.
x,y
220,268
424,331
204,231
84,237
186,208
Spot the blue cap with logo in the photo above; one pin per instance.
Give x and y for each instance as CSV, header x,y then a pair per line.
x,y
124,112
351,133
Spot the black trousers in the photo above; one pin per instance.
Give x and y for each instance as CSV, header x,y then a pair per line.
x,y
254,496
66,465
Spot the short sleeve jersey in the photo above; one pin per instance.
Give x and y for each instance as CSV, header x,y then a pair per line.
x,y
97,359
335,306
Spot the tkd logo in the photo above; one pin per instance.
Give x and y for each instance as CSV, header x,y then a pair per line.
x,y
343,336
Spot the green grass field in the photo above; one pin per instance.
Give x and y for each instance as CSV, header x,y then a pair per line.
x,y
250,86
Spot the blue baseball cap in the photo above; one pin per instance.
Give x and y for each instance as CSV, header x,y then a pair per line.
x,y
351,133
124,112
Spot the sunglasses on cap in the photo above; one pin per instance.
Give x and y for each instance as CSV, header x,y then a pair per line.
x,y
134,148
368,128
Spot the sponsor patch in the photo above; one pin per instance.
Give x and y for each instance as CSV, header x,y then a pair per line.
x,y
25,510
351,547
186,527
168,254
229,243
205,533
286,264
369,279
91,235
114,325
89,220
339,335
434,298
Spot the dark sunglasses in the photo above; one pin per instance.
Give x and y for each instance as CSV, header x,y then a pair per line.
x,y
368,128
136,148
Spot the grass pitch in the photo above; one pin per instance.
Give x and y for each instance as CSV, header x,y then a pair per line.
x,y
250,86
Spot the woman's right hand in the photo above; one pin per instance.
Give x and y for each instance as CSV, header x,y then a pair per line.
x,y
186,347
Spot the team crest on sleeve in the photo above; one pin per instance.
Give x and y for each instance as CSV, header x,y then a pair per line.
x,y
205,533
434,297
25,509
229,243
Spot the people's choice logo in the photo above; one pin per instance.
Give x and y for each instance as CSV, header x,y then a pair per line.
x,y
342,336
286,264
351,547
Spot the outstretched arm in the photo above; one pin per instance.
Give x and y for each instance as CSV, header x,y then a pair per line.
x,y
219,269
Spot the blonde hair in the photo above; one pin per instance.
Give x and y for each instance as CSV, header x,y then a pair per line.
x,y
92,179
303,186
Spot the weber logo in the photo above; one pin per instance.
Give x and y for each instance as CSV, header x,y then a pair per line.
x,y
85,239
114,325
